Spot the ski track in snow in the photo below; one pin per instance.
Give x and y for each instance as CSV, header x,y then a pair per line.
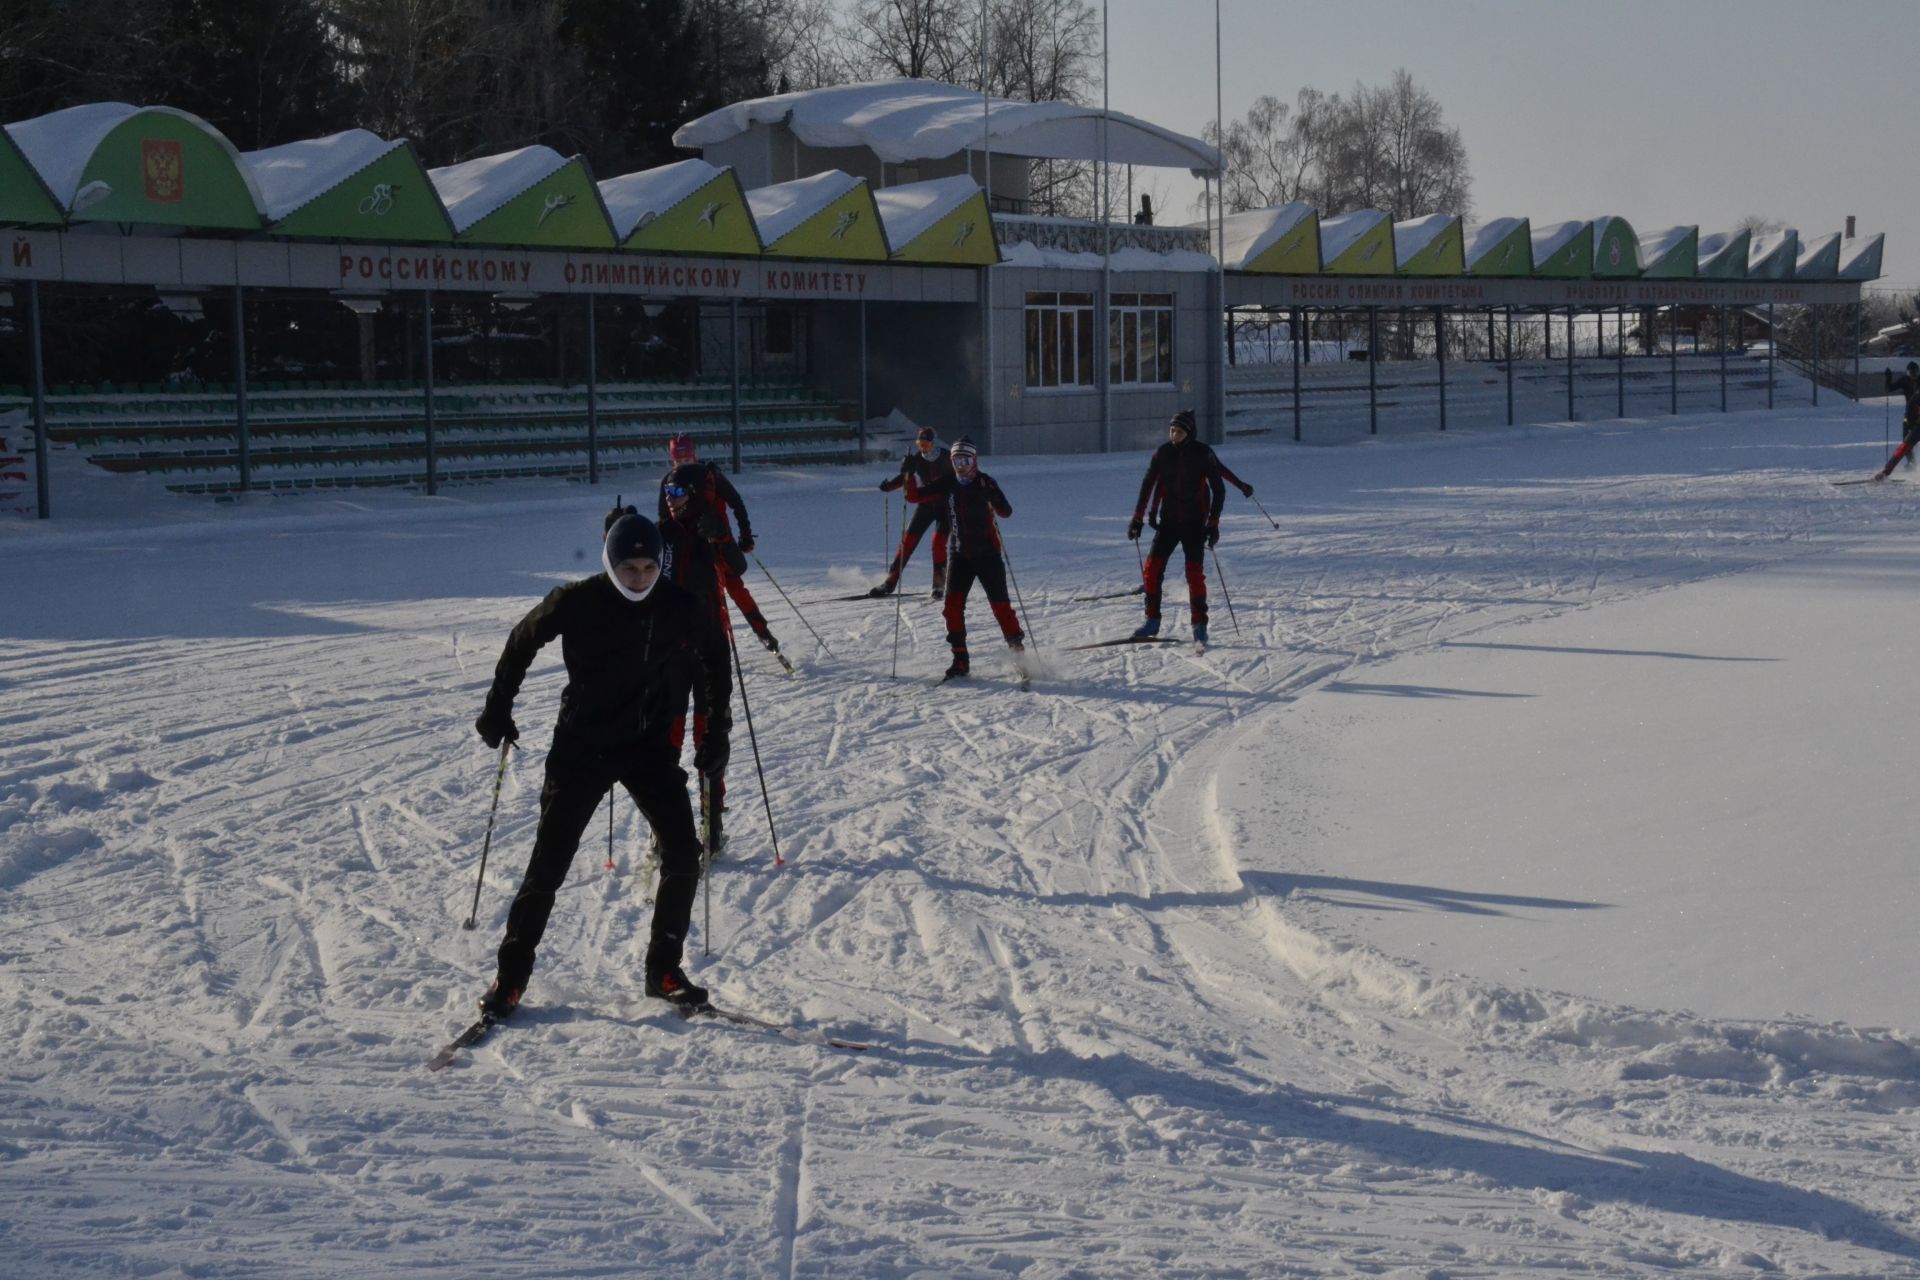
x,y
238,837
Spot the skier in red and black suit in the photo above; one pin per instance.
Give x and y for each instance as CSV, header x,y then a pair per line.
x,y
696,555
721,498
971,498
1181,497
925,463
633,645
1909,386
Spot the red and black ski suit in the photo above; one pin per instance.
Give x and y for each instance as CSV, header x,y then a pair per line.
x,y
696,555
973,551
1181,497
718,496
1909,386
922,472
629,666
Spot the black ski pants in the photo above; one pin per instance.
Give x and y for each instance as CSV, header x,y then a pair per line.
x,y
962,572
578,778
1191,538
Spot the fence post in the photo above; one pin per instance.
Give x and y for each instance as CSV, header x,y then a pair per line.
x,y
1373,371
242,427
593,396
1440,350
35,355
426,386
733,373
1509,364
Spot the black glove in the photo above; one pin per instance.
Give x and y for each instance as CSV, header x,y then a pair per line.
x,y
496,727
1246,490
894,482
746,540
710,757
615,515
1133,529
1213,535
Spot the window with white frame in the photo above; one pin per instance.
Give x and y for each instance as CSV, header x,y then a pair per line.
x,y
1059,340
1140,342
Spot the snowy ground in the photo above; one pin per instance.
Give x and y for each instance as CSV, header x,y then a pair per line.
x,y
1523,888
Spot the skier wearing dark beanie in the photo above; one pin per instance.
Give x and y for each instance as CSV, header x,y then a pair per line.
x,y
634,645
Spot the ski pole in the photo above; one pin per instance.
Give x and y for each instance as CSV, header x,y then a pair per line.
x,y
610,792
706,868
1222,575
747,707
1014,578
1263,511
791,605
886,522
473,916
897,593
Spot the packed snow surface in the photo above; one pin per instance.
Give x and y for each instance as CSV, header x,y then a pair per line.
x,y
1522,885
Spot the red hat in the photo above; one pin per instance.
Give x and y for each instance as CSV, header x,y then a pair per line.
x,y
680,448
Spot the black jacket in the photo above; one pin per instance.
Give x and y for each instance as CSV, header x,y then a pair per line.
x,y
630,666
970,507
719,495
1183,484
1909,386
919,469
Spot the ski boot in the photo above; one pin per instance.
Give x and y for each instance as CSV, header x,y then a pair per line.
x,y
1200,634
939,581
1147,630
670,983
500,1001
958,669
884,589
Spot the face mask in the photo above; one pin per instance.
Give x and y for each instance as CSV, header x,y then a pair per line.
x,y
635,596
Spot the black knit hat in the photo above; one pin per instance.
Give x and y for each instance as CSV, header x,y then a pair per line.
x,y
632,537
1183,420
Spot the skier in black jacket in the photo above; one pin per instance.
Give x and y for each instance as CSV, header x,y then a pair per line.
x,y
925,463
634,645
972,498
685,470
1181,497
1909,386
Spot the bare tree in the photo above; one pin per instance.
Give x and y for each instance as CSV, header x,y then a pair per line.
x,y
1278,154
918,39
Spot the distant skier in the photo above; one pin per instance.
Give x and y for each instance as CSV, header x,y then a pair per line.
x,y
634,645
925,463
1181,496
1909,386
972,498
721,498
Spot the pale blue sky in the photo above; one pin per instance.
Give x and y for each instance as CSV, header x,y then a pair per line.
x,y
1663,112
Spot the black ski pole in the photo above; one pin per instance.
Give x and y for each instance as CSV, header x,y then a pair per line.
x,y
610,793
1014,578
791,605
897,593
706,865
1222,575
1263,511
473,916
747,707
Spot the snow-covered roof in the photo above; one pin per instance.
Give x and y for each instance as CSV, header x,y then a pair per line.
x,y
909,210
1415,234
59,144
1341,233
1772,255
475,188
1478,239
635,199
1819,258
1550,238
906,120
1860,257
1252,233
297,173
783,206
1655,245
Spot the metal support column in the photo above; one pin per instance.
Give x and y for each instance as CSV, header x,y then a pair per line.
x,y
1620,365
1673,360
1570,413
1859,317
863,380
1723,357
593,395
426,387
1813,320
243,435
1509,366
1373,371
35,358
1299,351
1773,348
733,374
1440,350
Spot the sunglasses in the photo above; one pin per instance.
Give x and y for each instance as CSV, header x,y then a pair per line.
x,y
965,461
677,491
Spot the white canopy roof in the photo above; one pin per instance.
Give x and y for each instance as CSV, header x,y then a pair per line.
x,y
1655,245
1478,239
1860,257
298,173
909,210
1551,237
905,120
475,188
1337,235
1415,234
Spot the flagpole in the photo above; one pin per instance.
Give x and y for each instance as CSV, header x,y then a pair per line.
x,y
1105,189
1220,242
